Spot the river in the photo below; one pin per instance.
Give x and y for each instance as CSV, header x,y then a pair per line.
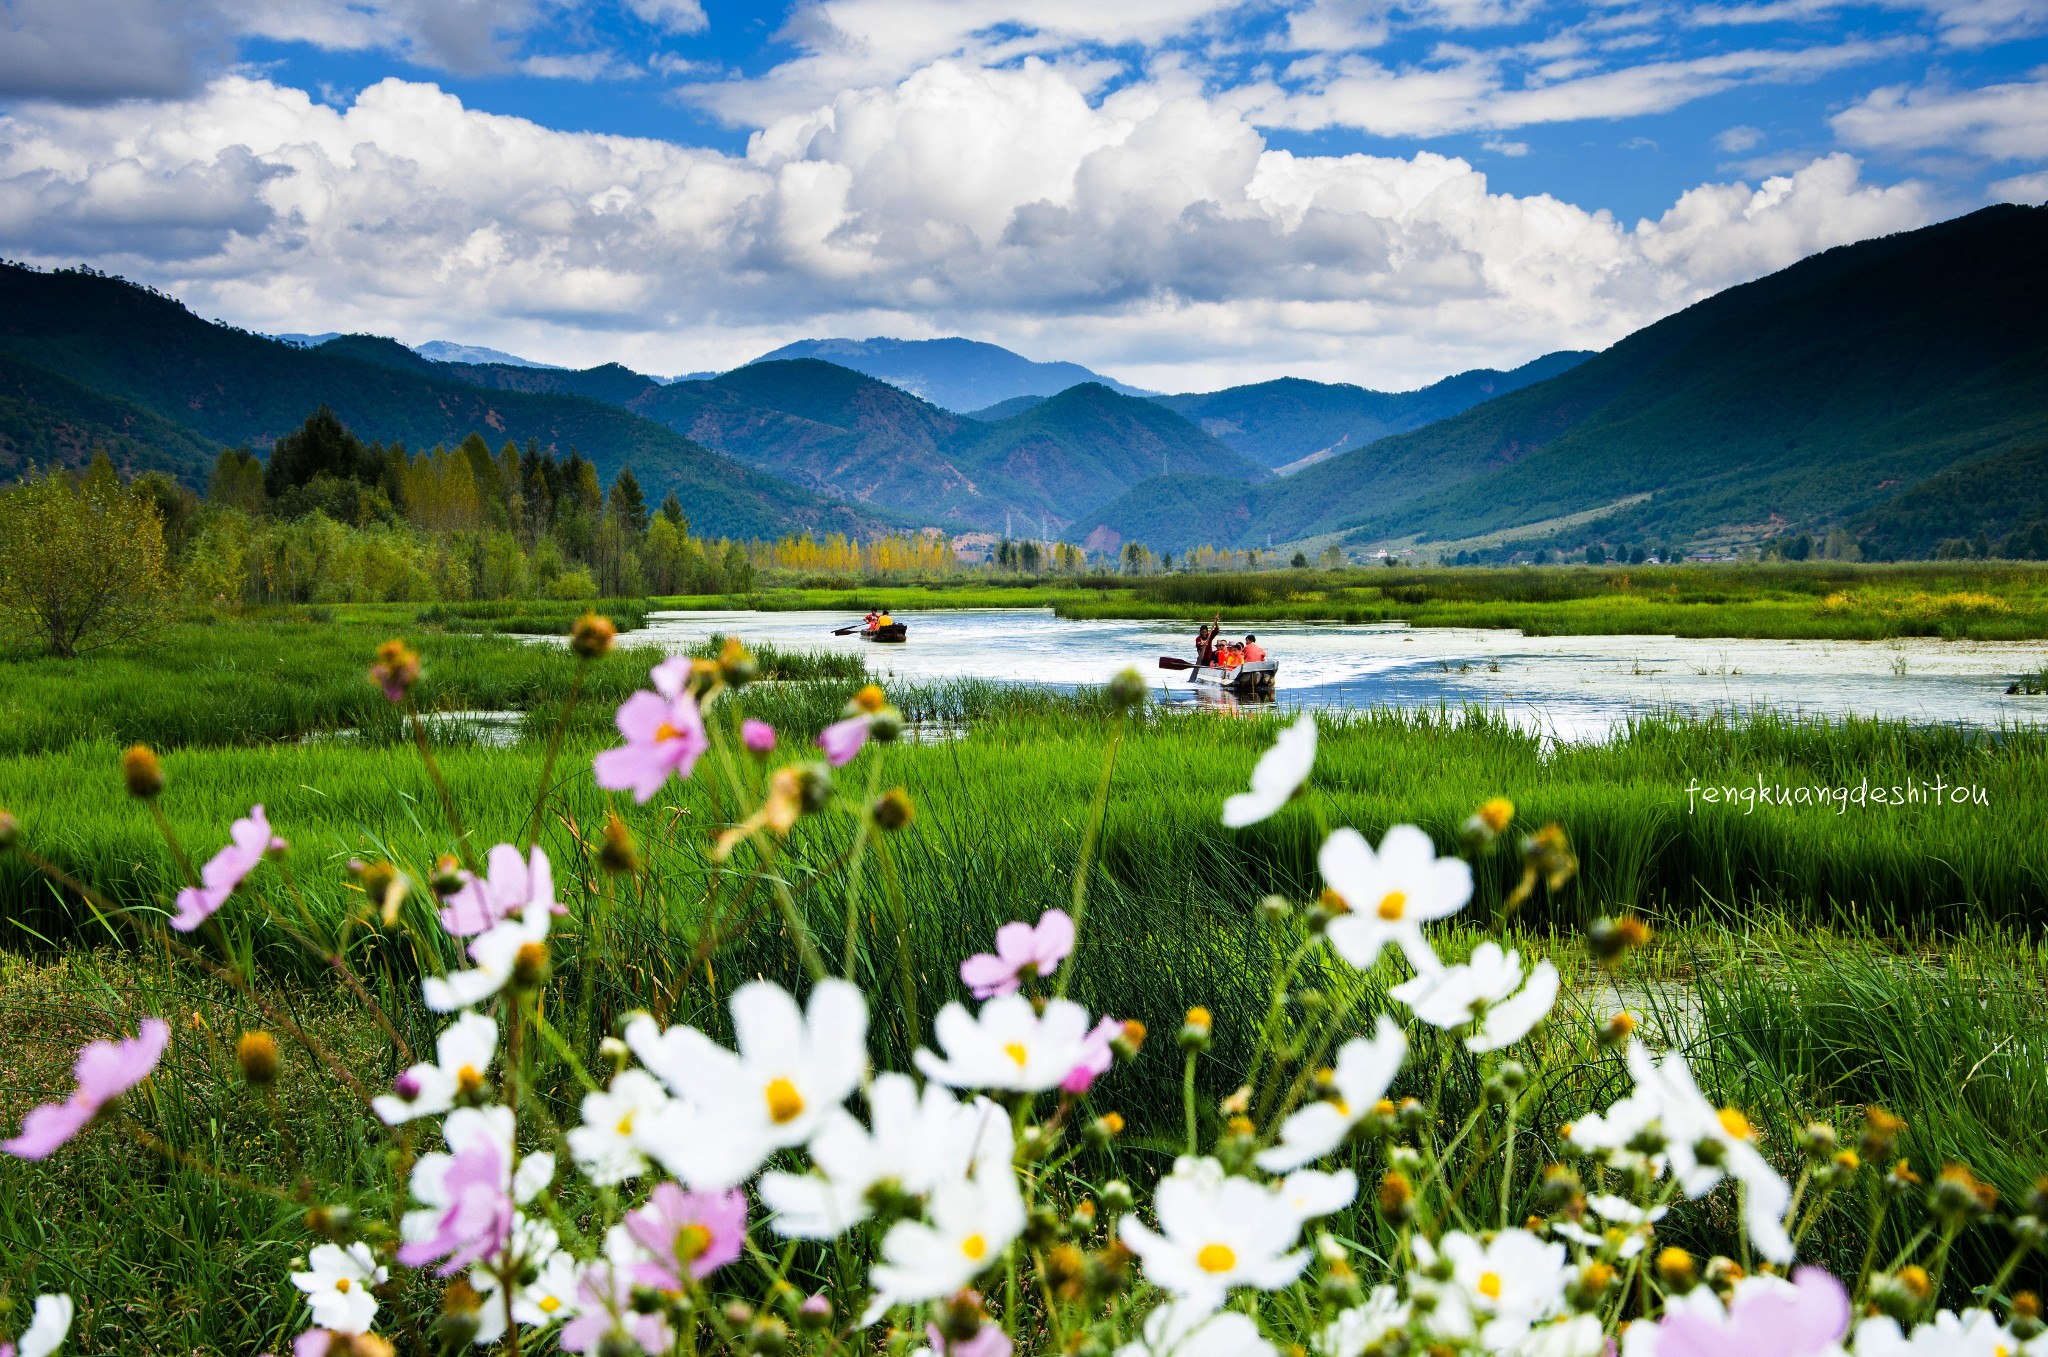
x,y
1569,687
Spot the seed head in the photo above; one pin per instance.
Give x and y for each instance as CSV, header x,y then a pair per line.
x,y
2024,1318
616,852
1618,1029
143,774
1127,689
1881,1130
737,664
894,809
1397,1197
396,670
530,964
256,1053
592,636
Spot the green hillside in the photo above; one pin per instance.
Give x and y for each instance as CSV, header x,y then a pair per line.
x,y
1280,423
1997,495
1802,400
50,420
228,386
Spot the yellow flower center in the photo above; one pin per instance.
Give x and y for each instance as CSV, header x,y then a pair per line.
x,y
1735,1124
975,1247
1489,1285
1393,905
691,1241
1216,1258
1015,1050
785,1104
625,1126
550,1304
665,731
341,1284
1343,1108
469,1079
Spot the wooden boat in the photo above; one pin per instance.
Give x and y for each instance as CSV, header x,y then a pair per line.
x,y
895,633
1255,678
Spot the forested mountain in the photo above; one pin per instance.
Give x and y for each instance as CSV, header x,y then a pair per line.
x,y
1996,496
225,386
1803,399
1291,423
49,420
954,374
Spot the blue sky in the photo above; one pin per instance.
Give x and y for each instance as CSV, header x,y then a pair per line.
x,y
1181,192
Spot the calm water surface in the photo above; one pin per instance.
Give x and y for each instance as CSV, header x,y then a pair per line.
x,y
1571,687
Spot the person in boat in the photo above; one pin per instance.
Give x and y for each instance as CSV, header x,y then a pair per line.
x,y
1205,641
884,621
1227,656
1253,652
869,622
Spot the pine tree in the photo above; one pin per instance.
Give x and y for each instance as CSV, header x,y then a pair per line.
x,y
626,502
672,510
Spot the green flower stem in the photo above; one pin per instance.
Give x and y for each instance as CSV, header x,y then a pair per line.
x,y
1097,811
547,766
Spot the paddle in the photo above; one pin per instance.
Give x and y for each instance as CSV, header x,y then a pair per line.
x,y
1174,662
848,631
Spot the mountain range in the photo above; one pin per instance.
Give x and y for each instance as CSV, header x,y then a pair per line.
x,y
1815,396
953,374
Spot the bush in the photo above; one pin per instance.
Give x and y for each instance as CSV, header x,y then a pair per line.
x,y
81,560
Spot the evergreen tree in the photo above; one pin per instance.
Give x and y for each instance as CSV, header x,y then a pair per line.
x,y
322,446
672,510
626,502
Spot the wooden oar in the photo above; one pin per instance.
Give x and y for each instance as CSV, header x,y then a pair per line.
x,y
1174,662
848,631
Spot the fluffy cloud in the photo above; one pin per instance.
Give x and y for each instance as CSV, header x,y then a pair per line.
x,y
1996,122
1960,23
1152,231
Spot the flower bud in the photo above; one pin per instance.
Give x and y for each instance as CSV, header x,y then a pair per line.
x,y
616,852
1819,1141
1609,938
1902,1294
961,1316
767,1335
10,830
331,1222
614,1053
1881,1130
867,701
886,726
256,1053
1959,1194
592,636
815,1313
1194,1030
894,810
1276,907
2037,1198
530,965
1412,1115
1128,1042
1103,1129
141,772
1489,822
1723,1273
397,669
1559,1188
1397,1198
1127,689
1328,905
1618,1029
1513,1075
736,664
2024,1318
1339,1288
448,876
1594,1281
1901,1180
1041,1226
1116,1196
738,1313
1676,1269
1034,1143
814,787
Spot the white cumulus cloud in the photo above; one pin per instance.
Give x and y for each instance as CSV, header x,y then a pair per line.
x,y
1996,122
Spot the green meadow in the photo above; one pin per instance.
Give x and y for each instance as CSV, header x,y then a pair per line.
x,y
1830,954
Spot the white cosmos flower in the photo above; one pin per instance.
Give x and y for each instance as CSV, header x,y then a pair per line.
x,y
495,952
970,1223
1573,1336
1392,893
1689,1121
1974,1333
464,1052
1628,1230
550,1296
1361,1076
918,1142
1186,1328
1356,1329
48,1327
1312,1194
1507,1283
337,1286
607,1144
1009,1045
793,1067
1279,774
1488,988
1216,1232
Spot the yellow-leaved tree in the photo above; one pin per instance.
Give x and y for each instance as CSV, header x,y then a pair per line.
x,y
81,560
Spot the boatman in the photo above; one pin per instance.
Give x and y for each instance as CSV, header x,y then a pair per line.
x,y
869,622
1253,651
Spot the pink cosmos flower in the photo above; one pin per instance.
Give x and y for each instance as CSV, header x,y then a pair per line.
x,y
477,1220
664,735
758,736
604,1299
509,886
249,839
988,1341
843,739
1021,949
312,1343
1096,1057
104,1072
1802,1320
698,1232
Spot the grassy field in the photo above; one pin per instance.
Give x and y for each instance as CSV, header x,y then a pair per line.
x,y
1982,600
1814,958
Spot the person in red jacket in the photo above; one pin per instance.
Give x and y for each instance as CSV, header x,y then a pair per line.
x,y
1253,651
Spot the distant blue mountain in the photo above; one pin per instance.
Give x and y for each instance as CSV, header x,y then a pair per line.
x,y
448,351
955,374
